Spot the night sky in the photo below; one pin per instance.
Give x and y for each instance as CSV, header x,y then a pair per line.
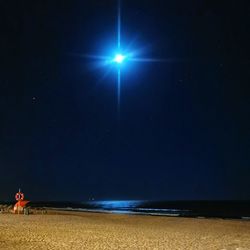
x,y
183,129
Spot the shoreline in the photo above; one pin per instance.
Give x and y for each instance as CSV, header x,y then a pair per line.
x,y
207,209
163,212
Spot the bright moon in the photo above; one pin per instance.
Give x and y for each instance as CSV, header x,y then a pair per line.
x,y
119,58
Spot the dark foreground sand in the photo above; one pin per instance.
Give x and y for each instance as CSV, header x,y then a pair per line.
x,y
109,231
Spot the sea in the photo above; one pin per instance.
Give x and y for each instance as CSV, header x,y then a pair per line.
x,y
198,209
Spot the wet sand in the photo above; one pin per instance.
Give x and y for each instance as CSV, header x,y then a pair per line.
x,y
73,230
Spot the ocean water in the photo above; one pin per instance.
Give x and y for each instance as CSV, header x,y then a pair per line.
x,y
201,209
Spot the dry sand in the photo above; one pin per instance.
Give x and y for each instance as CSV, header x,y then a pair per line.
x,y
109,231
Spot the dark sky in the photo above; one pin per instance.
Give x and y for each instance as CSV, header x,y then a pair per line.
x,y
184,127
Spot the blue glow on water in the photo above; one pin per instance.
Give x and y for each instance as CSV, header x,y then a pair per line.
x,y
125,204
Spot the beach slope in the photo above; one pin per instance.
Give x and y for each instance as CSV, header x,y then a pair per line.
x,y
78,230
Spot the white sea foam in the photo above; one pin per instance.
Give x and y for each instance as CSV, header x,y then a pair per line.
x,y
245,218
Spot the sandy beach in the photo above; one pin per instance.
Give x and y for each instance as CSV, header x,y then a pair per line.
x,y
78,230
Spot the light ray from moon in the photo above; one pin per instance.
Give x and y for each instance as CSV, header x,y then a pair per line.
x,y
119,57
152,60
119,24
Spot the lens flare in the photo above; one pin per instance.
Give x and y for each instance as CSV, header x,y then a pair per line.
x,y
121,56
